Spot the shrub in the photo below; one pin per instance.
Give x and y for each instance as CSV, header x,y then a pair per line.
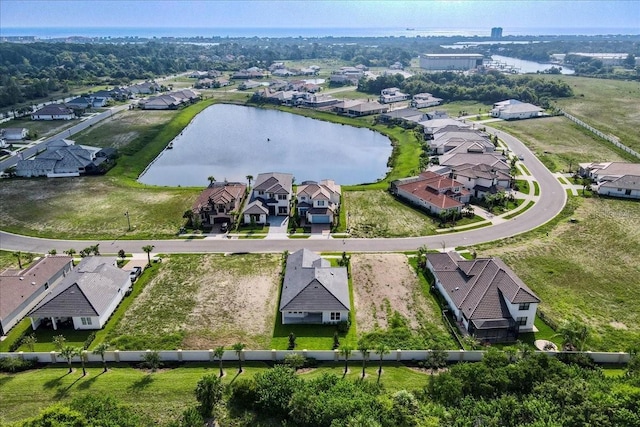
x,y
14,364
208,394
243,393
294,361
89,340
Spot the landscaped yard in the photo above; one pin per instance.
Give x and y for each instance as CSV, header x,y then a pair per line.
x,y
559,143
586,269
376,213
203,301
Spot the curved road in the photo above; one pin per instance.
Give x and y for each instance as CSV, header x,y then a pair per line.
x,y
552,200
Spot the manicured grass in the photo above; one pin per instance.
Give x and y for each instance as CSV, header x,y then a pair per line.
x,y
14,334
523,185
544,333
453,230
159,396
563,180
377,213
536,188
525,170
299,236
586,270
570,193
395,376
527,207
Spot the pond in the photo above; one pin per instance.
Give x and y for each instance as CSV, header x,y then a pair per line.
x,y
231,141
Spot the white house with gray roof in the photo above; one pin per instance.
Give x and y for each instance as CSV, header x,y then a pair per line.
x,y
271,195
313,291
86,297
61,158
484,295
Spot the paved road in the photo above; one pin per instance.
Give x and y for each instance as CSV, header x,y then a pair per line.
x,y
31,151
552,200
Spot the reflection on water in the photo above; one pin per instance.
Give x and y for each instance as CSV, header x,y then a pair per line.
x,y
231,142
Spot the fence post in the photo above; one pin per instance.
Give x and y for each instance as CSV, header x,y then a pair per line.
x,y
210,355
116,356
274,355
179,355
53,357
398,355
336,355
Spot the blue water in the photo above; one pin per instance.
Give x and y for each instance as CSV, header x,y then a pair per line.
x,y
231,141
53,32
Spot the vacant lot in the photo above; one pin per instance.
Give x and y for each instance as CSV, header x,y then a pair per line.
x,y
376,213
124,127
608,105
385,283
91,208
204,301
559,143
588,270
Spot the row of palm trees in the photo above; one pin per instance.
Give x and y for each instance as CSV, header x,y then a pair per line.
x,y
212,179
381,350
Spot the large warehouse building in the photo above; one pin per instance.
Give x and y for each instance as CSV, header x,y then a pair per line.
x,y
450,61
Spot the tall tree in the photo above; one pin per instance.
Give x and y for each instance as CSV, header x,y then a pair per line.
x,y
211,179
238,347
101,349
68,352
218,353
148,249
59,342
30,341
249,179
18,255
364,350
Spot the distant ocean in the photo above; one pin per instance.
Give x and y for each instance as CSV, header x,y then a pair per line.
x,y
58,32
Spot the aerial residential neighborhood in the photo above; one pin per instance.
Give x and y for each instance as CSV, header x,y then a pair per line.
x,y
319,226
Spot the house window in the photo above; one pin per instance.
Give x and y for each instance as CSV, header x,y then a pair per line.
x,y
260,193
85,320
282,197
335,315
282,210
320,202
303,198
523,306
521,321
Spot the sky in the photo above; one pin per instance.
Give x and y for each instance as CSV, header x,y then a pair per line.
x,y
321,13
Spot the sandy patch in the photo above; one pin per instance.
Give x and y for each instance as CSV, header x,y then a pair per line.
x,y
383,284
618,325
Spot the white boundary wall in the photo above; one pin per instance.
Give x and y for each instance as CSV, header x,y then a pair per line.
x,y
611,138
279,355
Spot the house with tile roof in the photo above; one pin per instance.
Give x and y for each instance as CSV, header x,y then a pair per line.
x,y
271,195
625,186
433,192
392,94
484,295
313,291
356,108
53,112
21,290
513,109
86,297
219,203
318,202
14,134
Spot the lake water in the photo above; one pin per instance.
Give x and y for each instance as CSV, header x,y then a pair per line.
x,y
528,66
231,142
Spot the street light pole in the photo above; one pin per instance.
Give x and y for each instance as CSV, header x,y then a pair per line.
x,y
128,220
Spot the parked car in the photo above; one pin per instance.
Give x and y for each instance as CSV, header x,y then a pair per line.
x,y
135,273
224,227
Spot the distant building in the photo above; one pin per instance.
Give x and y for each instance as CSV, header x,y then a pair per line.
x,y
53,112
512,109
496,33
450,61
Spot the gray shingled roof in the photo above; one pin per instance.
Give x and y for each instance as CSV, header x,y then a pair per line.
x,y
86,291
480,287
311,284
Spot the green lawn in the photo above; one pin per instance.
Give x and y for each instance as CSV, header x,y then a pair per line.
x,y
159,396
523,185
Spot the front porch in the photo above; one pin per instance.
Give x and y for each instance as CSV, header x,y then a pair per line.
x,y
306,319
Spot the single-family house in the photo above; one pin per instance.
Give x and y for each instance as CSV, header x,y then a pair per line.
x,y
219,203
433,192
346,75
80,103
402,115
62,158
318,202
513,109
53,112
249,84
313,291
625,186
21,290
355,108
392,94
86,297
319,101
460,139
271,195
492,159
607,171
484,295
14,134
424,100
145,88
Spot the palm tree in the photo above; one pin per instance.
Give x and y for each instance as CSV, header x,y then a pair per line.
x,y
217,354
238,347
83,358
345,351
18,255
574,335
211,179
101,349
249,178
71,252
364,349
381,350
68,352
30,341
59,341
188,215
148,249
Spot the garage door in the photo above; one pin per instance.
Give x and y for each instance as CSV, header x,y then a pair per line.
x,y
321,219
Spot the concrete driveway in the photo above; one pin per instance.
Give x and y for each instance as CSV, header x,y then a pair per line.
x,y
277,227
